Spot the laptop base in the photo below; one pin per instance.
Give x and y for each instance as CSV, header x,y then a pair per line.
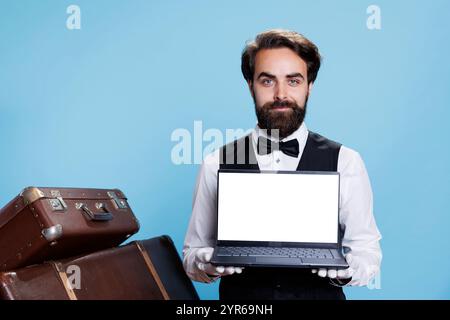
x,y
336,262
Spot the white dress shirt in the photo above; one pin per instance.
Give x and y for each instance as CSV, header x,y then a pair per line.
x,y
355,212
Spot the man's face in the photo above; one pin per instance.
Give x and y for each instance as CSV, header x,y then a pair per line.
x,y
280,90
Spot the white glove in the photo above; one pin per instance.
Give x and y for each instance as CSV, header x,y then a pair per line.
x,y
337,274
202,261
361,271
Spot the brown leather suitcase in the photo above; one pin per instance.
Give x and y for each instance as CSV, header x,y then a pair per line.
x,y
53,223
149,269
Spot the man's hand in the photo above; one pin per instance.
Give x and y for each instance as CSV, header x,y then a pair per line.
x,y
337,274
202,260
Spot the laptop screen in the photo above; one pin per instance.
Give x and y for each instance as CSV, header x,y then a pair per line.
x,y
283,206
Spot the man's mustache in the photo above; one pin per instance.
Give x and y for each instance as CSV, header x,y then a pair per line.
x,y
281,104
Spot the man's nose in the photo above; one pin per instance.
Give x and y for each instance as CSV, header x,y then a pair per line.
x,y
280,92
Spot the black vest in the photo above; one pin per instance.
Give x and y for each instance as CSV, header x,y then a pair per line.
x,y
319,154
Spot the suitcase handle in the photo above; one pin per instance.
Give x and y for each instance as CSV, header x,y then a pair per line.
x,y
96,216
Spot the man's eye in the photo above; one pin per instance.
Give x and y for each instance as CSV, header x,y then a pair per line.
x,y
267,82
294,82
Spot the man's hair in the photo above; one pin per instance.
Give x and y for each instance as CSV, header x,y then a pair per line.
x,y
279,38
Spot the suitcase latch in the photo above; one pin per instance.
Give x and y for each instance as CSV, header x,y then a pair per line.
x,y
120,203
58,203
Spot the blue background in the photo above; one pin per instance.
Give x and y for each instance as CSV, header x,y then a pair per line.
x,y
96,107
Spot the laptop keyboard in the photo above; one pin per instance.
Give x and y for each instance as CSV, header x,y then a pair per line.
x,y
275,252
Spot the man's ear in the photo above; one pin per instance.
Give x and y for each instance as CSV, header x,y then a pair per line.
x,y
310,86
250,87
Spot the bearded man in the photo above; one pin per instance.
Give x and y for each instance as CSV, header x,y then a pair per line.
x,y
280,68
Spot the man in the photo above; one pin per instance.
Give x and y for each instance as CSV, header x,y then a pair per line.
x,y
280,68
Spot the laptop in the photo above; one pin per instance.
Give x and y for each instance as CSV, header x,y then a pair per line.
x,y
278,219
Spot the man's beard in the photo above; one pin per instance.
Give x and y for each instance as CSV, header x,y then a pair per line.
x,y
285,121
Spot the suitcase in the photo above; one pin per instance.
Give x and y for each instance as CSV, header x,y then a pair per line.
x,y
149,269
53,223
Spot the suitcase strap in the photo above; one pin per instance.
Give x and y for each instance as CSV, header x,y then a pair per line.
x,y
65,281
148,262
152,269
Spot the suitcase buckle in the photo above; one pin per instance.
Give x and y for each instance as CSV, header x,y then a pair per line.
x,y
58,203
120,203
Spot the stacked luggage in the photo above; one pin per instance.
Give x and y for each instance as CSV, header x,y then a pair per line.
x,y
63,243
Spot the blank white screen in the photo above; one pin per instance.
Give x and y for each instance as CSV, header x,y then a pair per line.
x,y
278,207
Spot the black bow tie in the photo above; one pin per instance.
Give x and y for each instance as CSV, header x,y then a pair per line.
x,y
266,146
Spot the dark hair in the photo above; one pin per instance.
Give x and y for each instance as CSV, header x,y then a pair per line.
x,y
279,38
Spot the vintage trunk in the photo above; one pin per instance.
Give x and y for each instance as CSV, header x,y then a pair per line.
x,y
53,223
149,269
